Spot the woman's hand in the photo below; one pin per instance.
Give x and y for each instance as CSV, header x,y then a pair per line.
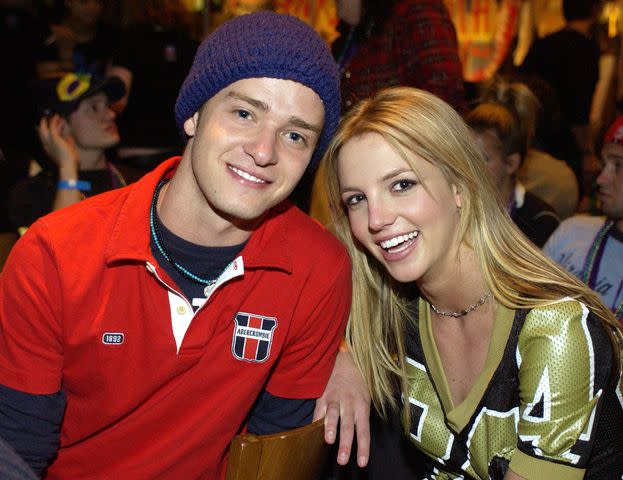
x,y
346,399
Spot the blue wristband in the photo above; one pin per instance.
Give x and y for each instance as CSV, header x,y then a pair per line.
x,y
74,185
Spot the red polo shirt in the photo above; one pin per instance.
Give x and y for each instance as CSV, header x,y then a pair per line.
x,y
85,308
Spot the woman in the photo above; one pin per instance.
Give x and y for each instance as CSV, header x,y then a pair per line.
x,y
509,367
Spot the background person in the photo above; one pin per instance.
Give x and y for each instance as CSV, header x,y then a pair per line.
x,y
76,128
399,42
503,125
542,172
591,247
568,60
501,353
80,42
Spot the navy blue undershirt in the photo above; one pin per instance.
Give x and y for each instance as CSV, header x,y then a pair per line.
x,y
31,423
204,262
270,414
12,466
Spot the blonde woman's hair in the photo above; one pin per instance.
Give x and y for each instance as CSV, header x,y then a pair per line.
x,y
516,272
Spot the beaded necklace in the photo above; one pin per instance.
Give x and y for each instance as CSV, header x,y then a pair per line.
x,y
155,234
593,260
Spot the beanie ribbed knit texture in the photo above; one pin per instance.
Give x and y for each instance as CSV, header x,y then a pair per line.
x,y
263,44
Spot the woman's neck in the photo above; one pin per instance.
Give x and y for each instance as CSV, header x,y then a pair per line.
x,y
456,290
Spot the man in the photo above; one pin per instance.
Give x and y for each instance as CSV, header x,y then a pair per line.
x,y
592,247
153,323
568,60
76,129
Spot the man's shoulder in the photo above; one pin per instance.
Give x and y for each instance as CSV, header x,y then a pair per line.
x,y
561,35
91,214
554,43
94,225
567,40
98,215
582,224
74,237
574,234
305,229
307,239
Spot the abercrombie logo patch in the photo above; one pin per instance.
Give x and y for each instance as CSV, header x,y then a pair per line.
x,y
112,338
253,336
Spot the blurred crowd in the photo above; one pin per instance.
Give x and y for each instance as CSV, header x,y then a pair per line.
x,y
148,46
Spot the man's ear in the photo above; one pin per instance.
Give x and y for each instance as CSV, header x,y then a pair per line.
x,y
513,162
190,125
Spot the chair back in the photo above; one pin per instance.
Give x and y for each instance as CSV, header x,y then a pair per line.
x,y
296,454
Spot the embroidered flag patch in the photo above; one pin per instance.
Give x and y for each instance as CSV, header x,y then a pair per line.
x,y
253,336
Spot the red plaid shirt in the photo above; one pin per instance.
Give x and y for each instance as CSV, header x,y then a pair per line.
x,y
416,46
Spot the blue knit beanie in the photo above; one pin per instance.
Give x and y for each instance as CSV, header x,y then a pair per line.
x,y
263,44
